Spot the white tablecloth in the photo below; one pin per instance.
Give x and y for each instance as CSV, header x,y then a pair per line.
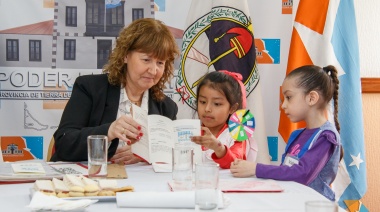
x,y
14,197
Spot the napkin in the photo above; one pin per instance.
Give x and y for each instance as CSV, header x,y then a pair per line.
x,y
180,199
41,201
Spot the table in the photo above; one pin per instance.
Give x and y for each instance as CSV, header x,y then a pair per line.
x,y
14,197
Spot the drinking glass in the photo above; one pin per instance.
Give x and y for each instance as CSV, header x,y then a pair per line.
x,y
97,156
206,186
182,167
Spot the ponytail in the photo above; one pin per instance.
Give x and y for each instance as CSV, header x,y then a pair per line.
x,y
333,73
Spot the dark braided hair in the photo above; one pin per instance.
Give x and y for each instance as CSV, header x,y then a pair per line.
x,y
331,70
323,80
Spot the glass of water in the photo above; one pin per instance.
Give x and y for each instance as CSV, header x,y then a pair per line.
x,y
97,156
206,186
182,167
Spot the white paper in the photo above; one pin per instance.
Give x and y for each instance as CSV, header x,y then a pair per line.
x,y
70,168
28,168
160,135
41,201
162,167
180,199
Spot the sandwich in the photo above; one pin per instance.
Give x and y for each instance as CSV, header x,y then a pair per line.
x,y
88,181
107,184
91,190
60,188
91,187
72,180
76,191
75,185
44,186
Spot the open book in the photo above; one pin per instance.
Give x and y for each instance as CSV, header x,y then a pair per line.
x,y
160,136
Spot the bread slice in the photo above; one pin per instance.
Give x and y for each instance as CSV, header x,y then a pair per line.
x,y
88,181
107,184
91,190
76,191
72,180
60,186
44,186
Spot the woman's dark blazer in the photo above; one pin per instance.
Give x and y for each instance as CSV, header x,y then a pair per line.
x,y
91,109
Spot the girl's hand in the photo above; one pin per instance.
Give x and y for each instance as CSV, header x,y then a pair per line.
x,y
207,140
125,156
126,129
243,168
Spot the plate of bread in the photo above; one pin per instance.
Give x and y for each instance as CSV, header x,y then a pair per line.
x,y
80,187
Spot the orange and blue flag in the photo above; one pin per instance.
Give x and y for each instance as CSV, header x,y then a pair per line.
x,y
323,34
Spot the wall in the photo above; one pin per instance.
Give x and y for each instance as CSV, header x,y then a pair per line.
x,y
371,115
367,15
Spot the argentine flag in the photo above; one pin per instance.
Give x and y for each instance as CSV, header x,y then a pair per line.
x,y
324,33
112,3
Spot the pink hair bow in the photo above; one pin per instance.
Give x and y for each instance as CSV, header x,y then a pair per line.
x,y
238,78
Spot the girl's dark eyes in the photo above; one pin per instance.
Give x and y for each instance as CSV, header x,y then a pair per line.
x,y
204,102
288,97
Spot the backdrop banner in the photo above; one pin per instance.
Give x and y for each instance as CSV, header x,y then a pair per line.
x,y
46,44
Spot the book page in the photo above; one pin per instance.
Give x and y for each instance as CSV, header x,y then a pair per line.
x,y
160,135
141,148
161,138
183,129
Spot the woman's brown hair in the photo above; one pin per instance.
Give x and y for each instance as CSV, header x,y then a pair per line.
x,y
145,35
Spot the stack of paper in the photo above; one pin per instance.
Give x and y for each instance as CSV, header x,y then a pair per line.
x,y
25,171
28,168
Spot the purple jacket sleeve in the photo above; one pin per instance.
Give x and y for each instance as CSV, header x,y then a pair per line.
x,y
309,166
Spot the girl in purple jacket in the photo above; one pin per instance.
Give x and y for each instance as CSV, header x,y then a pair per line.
x,y
312,154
